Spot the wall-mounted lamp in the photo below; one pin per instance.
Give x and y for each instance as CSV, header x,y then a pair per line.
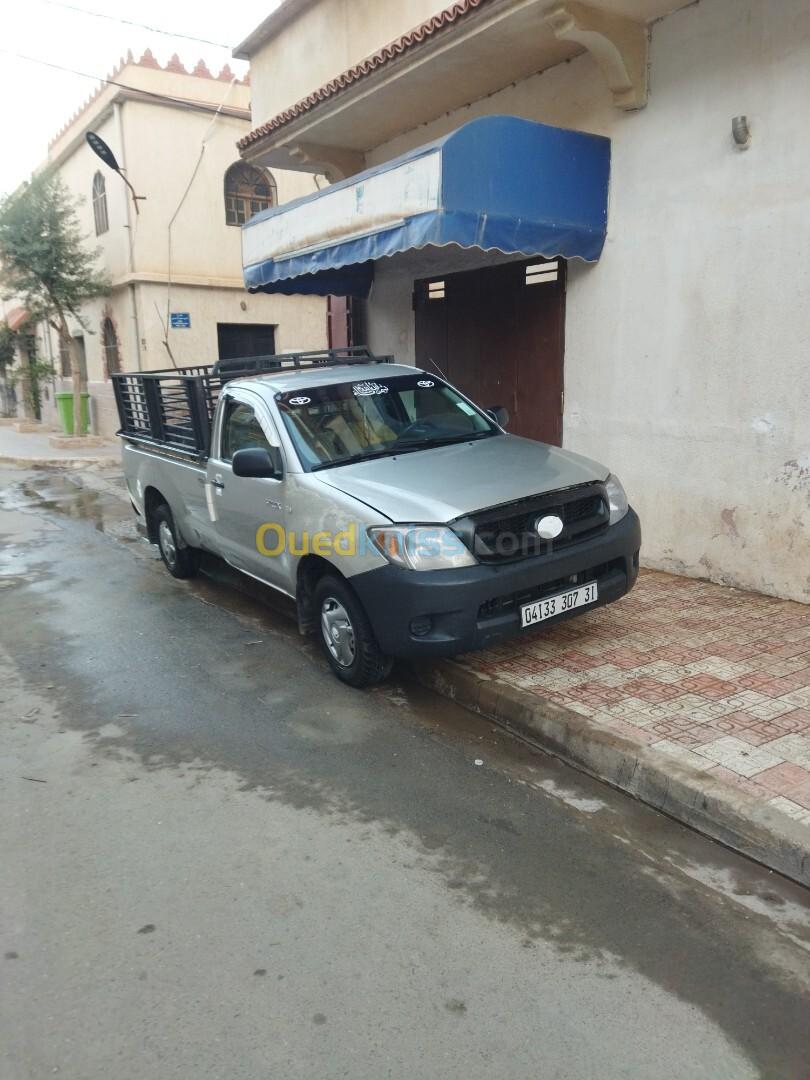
x,y
741,132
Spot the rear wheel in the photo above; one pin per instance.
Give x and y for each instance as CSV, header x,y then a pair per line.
x,y
181,562
346,634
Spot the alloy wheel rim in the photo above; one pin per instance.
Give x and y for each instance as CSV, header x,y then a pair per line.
x,y
338,632
167,544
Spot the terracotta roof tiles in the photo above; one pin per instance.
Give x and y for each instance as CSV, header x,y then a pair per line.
x,y
394,49
147,60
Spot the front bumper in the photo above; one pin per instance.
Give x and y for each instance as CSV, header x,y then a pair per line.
x,y
479,606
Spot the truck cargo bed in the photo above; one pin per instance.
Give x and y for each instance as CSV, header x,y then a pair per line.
x,y
173,409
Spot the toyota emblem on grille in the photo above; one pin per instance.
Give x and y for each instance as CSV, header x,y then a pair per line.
x,y
549,527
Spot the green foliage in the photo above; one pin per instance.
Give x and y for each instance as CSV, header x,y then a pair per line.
x,y
29,376
44,264
8,341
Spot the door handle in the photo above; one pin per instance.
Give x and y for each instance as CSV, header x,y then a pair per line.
x,y
217,484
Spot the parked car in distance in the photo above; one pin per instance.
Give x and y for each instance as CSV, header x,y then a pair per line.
x,y
402,518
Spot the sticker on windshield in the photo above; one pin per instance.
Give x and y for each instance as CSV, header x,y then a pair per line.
x,y
368,389
465,408
300,400
425,383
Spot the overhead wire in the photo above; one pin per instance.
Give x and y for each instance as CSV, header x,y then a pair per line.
x,y
132,22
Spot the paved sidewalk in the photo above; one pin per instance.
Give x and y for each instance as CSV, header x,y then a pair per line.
x,y
34,449
709,684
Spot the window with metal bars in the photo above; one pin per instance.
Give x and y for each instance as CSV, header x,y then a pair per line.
x,y
248,191
100,217
64,358
109,342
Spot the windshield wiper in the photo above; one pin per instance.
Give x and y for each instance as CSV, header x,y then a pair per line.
x,y
439,440
353,459
407,447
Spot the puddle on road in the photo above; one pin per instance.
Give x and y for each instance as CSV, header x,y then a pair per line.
x,y
25,496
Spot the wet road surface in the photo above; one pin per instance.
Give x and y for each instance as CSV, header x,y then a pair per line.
x,y
218,861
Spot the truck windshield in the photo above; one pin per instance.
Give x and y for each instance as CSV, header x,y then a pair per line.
x,y
353,421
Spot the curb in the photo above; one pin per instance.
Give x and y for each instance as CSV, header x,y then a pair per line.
x,y
709,806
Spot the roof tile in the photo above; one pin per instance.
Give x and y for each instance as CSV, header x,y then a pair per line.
x,y
394,49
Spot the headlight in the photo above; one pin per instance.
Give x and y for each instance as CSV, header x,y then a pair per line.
x,y
617,499
421,547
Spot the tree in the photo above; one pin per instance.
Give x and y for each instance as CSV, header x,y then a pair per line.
x,y
44,264
8,354
8,347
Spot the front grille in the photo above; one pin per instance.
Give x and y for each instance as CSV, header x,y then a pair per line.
x,y
509,602
507,533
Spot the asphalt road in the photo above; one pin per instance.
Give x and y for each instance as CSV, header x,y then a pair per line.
x,y
218,862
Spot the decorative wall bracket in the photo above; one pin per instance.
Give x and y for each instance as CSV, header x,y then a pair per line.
x,y
619,46
335,163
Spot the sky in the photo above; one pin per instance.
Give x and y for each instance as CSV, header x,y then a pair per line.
x,y
35,101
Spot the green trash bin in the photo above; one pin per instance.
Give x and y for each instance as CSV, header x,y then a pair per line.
x,y
64,406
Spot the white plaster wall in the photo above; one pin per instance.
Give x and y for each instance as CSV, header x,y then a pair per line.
x,y
687,346
323,41
77,173
300,321
162,145
163,148
300,324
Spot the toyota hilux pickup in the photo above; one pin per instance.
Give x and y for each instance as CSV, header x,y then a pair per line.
x,y
402,518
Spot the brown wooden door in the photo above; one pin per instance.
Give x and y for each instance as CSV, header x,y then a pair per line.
x,y
498,334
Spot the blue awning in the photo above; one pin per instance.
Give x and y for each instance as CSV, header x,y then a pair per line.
x,y
498,183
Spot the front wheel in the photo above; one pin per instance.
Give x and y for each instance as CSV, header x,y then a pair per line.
x,y
347,637
181,562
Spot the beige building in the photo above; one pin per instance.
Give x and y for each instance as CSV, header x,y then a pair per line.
x,y
677,355
175,266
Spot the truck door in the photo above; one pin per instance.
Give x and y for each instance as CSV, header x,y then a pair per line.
x,y
248,514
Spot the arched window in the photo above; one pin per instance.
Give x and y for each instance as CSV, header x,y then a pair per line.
x,y
109,343
248,191
64,358
100,204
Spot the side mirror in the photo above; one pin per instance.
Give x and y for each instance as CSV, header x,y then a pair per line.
x,y
499,414
255,462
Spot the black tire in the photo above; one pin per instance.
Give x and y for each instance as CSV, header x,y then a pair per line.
x,y
352,649
181,562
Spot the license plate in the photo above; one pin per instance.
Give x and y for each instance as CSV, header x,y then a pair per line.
x,y
550,606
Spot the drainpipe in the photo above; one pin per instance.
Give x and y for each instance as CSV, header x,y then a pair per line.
x,y
132,292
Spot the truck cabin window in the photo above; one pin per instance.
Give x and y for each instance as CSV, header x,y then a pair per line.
x,y
241,430
348,422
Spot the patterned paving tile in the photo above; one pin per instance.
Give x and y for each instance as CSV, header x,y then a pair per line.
x,y
741,783
783,778
708,675
795,748
740,756
792,809
740,724
683,755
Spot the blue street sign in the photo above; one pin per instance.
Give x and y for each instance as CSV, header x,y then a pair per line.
x,y
180,320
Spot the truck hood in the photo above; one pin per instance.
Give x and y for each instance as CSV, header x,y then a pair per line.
x,y
449,482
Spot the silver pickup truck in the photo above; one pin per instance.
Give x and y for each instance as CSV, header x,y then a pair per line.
x,y
401,517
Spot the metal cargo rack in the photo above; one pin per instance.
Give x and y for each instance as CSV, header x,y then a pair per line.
x,y
173,409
